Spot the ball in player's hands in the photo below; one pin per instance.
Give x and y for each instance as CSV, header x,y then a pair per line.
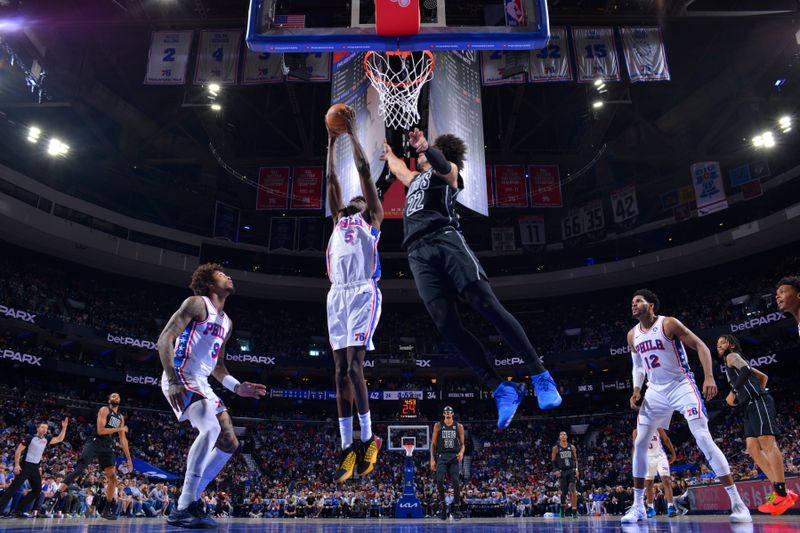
x,y
336,118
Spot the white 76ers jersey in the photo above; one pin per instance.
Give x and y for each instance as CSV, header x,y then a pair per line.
x,y
664,360
353,251
197,348
655,448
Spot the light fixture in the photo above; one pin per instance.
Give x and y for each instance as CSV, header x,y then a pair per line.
x,y
597,104
769,139
758,141
214,89
33,134
779,82
56,147
216,107
598,83
785,122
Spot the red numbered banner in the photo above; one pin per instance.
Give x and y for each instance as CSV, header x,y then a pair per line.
x,y
510,185
545,185
489,186
273,188
306,188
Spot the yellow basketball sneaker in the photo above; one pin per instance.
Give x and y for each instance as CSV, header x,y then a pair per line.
x,y
369,455
347,462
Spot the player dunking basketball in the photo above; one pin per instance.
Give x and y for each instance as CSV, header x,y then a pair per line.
x,y
354,302
787,296
445,269
99,446
656,344
192,348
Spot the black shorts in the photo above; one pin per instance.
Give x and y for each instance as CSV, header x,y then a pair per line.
x,y
443,264
567,480
99,450
446,464
759,417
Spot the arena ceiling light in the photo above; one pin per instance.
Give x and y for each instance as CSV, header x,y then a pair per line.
x,y
216,107
785,123
214,89
597,104
33,134
57,148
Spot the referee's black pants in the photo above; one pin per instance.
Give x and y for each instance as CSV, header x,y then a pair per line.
x,y
30,471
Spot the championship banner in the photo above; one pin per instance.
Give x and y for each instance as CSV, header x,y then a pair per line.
x,y
708,188
490,186
644,54
552,63
218,57
593,217
310,234
595,54
624,204
273,188
531,230
510,185
545,185
493,63
169,57
261,68
306,188
281,233
318,67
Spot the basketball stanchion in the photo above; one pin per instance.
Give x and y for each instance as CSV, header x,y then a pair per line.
x,y
408,506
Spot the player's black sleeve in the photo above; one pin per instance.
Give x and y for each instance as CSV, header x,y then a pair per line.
x,y
438,161
744,375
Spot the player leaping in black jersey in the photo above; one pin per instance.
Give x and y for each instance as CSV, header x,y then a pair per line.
x,y
445,269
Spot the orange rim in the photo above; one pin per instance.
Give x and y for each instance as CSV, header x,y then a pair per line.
x,y
421,79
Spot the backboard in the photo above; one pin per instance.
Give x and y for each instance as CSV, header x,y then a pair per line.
x,y
349,26
420,435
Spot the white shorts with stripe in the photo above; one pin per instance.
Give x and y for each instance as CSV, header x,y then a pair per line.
x,y
353,314
657,464
660,401
198,388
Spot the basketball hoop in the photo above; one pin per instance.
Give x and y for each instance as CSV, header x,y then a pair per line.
x,y
398,77
409,447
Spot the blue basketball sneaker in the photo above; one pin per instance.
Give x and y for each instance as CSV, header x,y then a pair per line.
x,y
508,395
671,511
546,391
651,512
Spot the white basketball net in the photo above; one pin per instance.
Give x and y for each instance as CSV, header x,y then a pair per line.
x,y
398,77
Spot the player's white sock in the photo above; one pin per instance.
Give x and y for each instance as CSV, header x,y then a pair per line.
x,y
638,497
365,421
346,431
733,494
212,466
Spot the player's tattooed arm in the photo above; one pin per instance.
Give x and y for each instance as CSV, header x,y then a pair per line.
x,y
192,308
734,360
334,187
397,166
673,328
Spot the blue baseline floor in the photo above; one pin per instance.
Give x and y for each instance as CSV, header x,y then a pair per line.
x,y
686,524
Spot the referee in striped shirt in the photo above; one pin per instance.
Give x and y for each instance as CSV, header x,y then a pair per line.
x,y
33,448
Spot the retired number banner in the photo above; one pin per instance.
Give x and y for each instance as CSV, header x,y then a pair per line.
x,y
596,54
644,54
318,66
169,57
708,188
273,188
510,186
545,185
493,63
552,63
623,204
572,224
593,217
261,67
531,230
218,57
306,188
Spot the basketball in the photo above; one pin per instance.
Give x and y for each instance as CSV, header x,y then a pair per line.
x,y
335,119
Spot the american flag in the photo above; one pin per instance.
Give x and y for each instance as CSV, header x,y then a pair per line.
x,y
289,21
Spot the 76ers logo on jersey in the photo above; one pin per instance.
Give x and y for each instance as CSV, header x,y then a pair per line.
x,y
691,412
360,337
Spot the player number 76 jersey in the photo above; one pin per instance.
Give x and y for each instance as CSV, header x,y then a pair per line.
x,y
664,360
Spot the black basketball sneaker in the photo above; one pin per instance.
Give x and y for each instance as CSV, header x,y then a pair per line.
x,y
368,455
347,463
